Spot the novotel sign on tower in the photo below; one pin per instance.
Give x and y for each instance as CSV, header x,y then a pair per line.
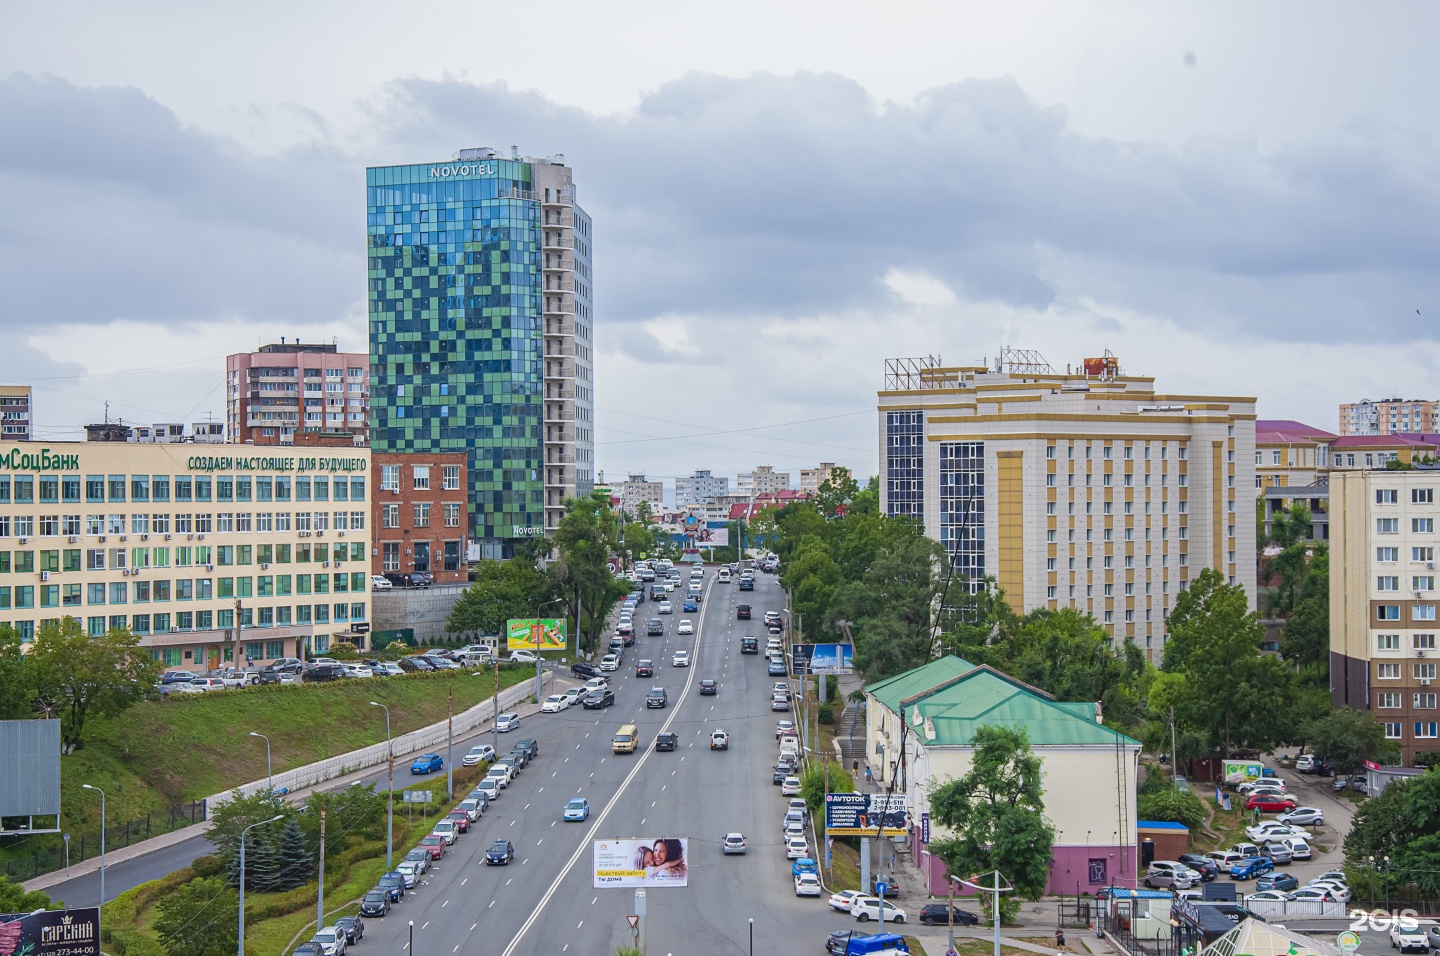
x,y
463,169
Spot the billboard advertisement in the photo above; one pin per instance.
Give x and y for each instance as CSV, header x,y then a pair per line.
x,y
821,658
641,863
51,933
30,786
535,634
1236,770
864,814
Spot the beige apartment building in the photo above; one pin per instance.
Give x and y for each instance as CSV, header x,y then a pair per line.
x,y
211,554
1390,416
1383,601
1075,489
17,413
763,480
812,478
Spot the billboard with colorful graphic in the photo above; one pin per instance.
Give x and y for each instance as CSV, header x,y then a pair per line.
x,y
864,814
74,932
535,634
626,863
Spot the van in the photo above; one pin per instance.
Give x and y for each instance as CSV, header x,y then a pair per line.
x,y
876,945
723,576
625,739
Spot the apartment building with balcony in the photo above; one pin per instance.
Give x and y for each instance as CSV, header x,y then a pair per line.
x,y
700,488
481,305
1087,489
812,478
1389,416
1292,463
17,413
636,489
421,515
1383,601
760,481
280,389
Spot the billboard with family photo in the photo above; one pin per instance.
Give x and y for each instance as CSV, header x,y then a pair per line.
x,y
642,863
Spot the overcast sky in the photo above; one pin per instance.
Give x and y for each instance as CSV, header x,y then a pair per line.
x,y
1232,197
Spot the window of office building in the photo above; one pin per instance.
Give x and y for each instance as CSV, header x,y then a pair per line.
x,y
905,463
962,506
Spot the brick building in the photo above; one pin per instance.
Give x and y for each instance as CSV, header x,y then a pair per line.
x,y
420,514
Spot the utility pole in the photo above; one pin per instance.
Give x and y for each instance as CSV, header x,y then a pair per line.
x,y
449,748
494,727
320,884
640,925
1174,757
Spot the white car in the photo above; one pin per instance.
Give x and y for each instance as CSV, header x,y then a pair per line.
x,y
523,657
573,695
609,663
685,627
842,900
681,659
1321,894
500,773
1406,934
790,787
595,683
389,668
446,830
490,787
409,872
358,670
378,582
477,754
1299,849
868,907
507,722
1278,896
807,884
554,704
1270,830
665,607
796,848
1337,889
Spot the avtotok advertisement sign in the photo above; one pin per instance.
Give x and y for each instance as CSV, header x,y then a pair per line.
x,y
535,634
636,862
864,814
51,933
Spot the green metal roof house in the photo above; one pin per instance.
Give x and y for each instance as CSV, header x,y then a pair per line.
x,y
1089,769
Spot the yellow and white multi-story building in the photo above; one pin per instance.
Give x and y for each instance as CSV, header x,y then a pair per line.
x,y
1079,489
212,554
1383,655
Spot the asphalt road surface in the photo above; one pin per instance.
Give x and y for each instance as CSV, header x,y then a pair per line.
x,y
545,902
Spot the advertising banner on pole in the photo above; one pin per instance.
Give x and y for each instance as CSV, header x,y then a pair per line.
x,y
821,658
860,814
71,932
535,634
638,863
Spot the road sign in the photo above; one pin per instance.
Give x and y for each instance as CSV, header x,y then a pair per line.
x,y
416,796
634,921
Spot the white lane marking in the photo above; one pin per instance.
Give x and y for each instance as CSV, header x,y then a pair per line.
x,y
472,926
427,923
527,806
492,903
512,823
464,881
444,904
456,949
541,840
580,924
642,821
524,861
652,804
552,823
507,882
594,901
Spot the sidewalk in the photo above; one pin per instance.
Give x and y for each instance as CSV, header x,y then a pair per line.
x,y
174,837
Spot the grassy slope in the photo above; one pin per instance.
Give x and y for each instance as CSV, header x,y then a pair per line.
x,y
188,747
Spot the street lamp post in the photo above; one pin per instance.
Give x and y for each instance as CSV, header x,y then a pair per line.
x,y
241,944
410,947
997,889
389,790
752,937
540,630
86,786
269,778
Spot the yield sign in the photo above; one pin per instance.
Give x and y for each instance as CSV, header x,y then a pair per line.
x,y
634,921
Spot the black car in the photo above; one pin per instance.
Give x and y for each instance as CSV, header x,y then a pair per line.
x,y
782,770
656,698
598,698
666,741
306,949
354,927
320,673
531,748
501,852
709,688
582,669
516,763
655,627
1206,867
839,941
375,903
749,645
742,612
637,596
418,579
932,913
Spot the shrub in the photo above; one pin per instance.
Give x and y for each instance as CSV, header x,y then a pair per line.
x,y
1172,806
826,713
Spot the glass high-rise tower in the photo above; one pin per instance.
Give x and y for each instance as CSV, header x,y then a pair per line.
x,y
481,331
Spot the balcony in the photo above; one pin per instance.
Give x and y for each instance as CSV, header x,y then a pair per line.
x,y
555,240
554,284
559,197
557,265
559,416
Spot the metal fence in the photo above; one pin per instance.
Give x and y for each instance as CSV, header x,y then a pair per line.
x,y
417,741
52,857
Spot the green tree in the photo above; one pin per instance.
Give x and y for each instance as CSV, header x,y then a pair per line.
x,y
17,691
1292,526
1171,805
1231,692
996,813
892,607
502,590
812,783
199,919
584,540
1403,824
14,898
836,491
234,815
76,675
296,859
352,815
1348,738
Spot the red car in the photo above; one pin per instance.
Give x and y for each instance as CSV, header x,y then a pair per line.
x,y
434,845
644,668
1270,804
462,820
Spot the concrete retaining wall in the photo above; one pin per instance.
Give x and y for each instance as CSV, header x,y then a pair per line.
x,y
424,609
424,740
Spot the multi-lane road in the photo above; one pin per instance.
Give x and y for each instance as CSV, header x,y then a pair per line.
x,y
545,902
